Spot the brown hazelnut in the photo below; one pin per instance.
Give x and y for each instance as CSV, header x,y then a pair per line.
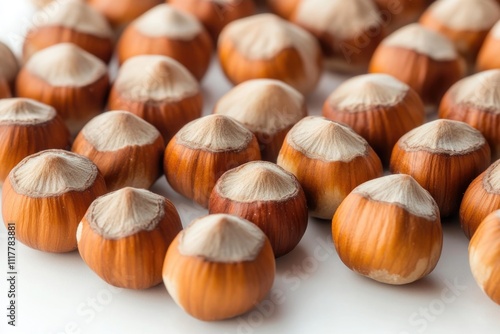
x,y
159,90
466,23
124,237
329,159
8,71
203,150
266,46
424,59
71,21
216,14
127,149
28,127
475,101
378,107
166,30
444,156
269,197
269,108
69,79
122,12
46,195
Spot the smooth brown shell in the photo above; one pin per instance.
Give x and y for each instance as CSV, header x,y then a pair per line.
x,y
132,166
48,224
195,54
19,141
43,37
133,262
467,42
478,202
214,15
487,58
350,55
168,117
445,176
193,172
127,11
484,255
283,8
320,179
486,121
400,13
235,288
283,222
286,66
76,105
382,126
5,90
429,78
385,239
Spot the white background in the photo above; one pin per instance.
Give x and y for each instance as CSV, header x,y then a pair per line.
x,y
313,292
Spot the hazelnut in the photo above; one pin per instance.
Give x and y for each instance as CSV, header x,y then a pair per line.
x,y
389,230
219,267
127,149
216,14
159,90
484,252
269,108
46,195
475,101
165,30
8,71
481,198
121,12
348,31
203,150
283,8
269,197
329,160
266,46
71,21
28,127
487,58
402,12
424,59
378,107
466,23
124,237
444,157
69,79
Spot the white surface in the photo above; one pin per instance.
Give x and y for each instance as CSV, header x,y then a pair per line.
x,y
313,292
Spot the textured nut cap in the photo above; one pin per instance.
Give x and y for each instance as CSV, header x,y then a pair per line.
x,y
319,138
66,65
22,111
222,238
52,173
114,130
125,212
424,41
155,78
165,20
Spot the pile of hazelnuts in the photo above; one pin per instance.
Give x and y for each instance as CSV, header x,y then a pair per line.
x,y
427,114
